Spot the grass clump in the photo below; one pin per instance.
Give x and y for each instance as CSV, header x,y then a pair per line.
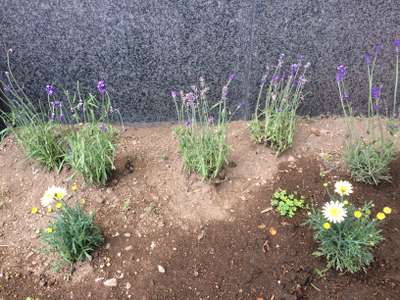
x,y
286,204
368,156
91,152
202,133
73,234
45,143
346,235
274,123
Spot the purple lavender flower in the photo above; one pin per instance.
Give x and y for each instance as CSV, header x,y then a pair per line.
x,y
376,106
293,69
62,117
210,120
275,80
376,92
56,104
300,58
341,73
173,94
397,45
232,76
187,123
50,90
378,49
190,98
302,80
103,127
7,88
367,58
101,87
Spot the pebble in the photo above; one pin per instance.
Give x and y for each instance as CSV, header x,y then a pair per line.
x,y
110,282
129,248
161,269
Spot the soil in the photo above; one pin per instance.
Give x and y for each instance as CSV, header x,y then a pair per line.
x,y
170,236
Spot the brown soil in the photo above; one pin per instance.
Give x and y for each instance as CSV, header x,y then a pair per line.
x,y
211,240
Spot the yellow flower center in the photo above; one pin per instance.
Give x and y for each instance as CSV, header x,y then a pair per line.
x,y
358,214
58,196
34,210
380,216
334,212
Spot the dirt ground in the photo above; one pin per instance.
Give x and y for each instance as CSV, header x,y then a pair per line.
x,y
170,236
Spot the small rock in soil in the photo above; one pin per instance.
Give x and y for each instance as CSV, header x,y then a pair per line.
x,y
161,269
110,282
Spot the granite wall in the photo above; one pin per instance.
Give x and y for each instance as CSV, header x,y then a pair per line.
x,y
144,48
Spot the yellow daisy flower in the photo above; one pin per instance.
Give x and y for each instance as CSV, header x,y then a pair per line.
x,y
326,226
49,230
49,209
358,214
387,210
34,210
58,205
380,216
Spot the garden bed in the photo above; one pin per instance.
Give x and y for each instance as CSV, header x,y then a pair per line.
x,y
171,236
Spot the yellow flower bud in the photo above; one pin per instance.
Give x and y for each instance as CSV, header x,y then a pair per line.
x,y
49,230
358,214
326,225
74,187
58,205
387,210
34,210
380,216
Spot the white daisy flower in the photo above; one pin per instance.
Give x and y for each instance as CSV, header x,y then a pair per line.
x,y
334,211
343,188
53,194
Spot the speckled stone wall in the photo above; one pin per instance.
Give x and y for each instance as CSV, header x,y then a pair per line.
x,y
143,49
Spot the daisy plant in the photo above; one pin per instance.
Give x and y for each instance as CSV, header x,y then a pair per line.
x,y
274,121
53,195
368,156
72,234
346,234
202,130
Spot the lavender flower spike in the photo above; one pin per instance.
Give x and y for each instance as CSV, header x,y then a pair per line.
x,y
397,45
293,69
173,94
341,73
101,87
367,58
376,92
50,90
232,76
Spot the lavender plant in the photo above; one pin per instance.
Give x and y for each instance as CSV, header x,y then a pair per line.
x,y
53,132
368,157
202,130
274,123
